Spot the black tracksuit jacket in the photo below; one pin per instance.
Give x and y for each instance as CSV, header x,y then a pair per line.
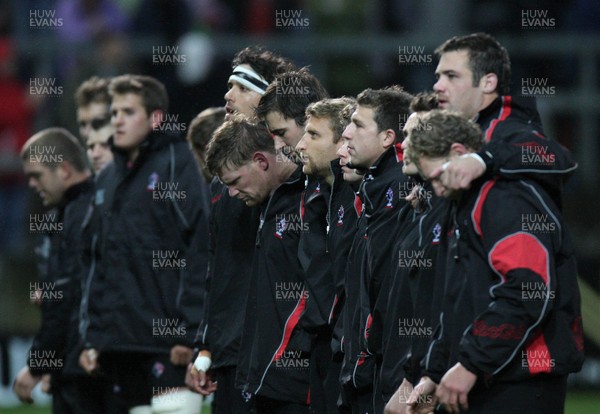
x,y
510,301
148,270
274,358
412,313
342,216
379,193
54,347
233,227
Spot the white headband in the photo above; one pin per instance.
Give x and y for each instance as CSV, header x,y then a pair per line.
x,y
249,78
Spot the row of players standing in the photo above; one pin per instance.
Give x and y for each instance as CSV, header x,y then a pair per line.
x,y
307,283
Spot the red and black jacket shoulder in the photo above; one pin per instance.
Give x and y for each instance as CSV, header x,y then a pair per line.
x,y
517,147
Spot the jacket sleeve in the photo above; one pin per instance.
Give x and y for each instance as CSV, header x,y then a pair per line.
x,y
527,154
519,244
192,219
59,299
201,341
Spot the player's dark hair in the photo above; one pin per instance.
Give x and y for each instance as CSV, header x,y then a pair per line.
x,y
92,90
152,92
290,93
389,105
423,102
264,62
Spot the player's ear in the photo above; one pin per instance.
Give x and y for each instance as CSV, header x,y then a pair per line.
x,y
457,149
261,160
489,82
389,138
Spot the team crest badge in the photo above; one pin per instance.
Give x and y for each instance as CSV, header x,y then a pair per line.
x,y
152,181
437,232
280,227
158,369
389,195
340,216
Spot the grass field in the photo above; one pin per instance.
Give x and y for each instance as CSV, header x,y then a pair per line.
x,y
578,402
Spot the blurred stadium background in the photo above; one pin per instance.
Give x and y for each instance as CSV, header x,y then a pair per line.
x,y
349,44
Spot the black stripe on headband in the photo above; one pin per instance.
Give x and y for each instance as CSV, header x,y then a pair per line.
x,y
256,82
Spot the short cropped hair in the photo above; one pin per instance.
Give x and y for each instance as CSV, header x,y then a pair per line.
x,y
235,142
389,105
152,92
290,93
423,102
437,130
52,146
336,111
92,90
203,126
486,55
264,62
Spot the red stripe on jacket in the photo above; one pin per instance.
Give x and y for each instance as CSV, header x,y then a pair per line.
x,y
476,213
290,325
504,113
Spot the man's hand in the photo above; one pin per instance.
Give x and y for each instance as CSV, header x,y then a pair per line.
x,y
397,404
181,355
24,384
200,381
454,387
88,360
459,173
46,384
422,398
